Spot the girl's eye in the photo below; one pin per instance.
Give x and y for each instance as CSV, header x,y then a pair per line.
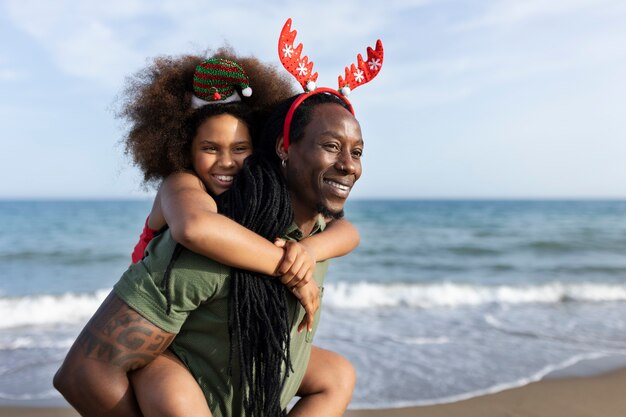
x,y
241,149
210,149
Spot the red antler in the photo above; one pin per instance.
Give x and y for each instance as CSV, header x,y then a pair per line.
x,y
363,71
300,68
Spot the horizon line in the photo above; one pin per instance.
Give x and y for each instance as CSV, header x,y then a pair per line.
x,y
359,198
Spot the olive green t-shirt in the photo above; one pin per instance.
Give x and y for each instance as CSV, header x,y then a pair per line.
x,y
199,289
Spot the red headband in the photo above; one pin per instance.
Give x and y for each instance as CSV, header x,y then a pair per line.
x,y
302,70
298,101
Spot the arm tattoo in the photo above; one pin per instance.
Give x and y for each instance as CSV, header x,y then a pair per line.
x,y
119,335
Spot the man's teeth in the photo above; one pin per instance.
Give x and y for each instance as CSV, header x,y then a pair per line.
x,y
225,178
337,185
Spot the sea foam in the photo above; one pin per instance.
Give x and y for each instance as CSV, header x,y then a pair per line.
x,y
368,295
75,308
48,309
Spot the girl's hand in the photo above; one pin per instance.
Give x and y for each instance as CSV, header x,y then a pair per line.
x,y
297,266
309,297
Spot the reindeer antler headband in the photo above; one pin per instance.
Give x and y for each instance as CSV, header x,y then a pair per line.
x,y
302,70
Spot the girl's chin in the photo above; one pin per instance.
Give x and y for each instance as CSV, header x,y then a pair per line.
x,y
215,189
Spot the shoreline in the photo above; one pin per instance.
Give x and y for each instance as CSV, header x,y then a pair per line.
x,y
579,396
573,396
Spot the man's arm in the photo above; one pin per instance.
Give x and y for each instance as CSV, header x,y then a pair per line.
x,y
93,378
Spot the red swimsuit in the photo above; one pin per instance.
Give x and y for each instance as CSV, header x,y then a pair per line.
x,y
146,236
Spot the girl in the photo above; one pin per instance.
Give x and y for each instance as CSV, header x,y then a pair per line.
x,y
191,131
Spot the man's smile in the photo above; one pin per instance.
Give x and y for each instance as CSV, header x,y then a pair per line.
x,y
340,188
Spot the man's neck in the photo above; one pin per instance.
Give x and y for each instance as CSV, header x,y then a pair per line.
x,y
305,219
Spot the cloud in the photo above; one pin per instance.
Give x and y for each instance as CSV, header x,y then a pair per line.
x,y
7,74
105,41
458,76
82,38
512,42
511,12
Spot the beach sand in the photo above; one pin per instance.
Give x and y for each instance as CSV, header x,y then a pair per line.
x,y
594,396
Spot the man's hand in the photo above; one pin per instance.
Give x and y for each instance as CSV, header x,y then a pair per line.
x,y
117,339
309,297
298,263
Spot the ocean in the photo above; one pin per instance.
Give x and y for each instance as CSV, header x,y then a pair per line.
x,y
443,300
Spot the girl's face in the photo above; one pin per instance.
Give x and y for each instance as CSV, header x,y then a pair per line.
x,y
218,150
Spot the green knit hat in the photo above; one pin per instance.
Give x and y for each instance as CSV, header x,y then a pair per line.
x,y
214,81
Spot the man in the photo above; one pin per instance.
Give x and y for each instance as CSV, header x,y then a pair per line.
x,y
194,305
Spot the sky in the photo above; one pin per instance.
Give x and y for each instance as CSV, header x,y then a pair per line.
x,y
476,98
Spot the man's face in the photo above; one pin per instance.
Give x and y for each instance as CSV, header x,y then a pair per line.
x,y
326,162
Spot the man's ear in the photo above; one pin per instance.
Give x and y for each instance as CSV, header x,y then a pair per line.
x,y
280,150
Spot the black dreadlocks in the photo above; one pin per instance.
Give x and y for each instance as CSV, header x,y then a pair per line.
x,y
258,321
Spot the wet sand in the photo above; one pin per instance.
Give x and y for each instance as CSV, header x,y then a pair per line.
x,y
592,396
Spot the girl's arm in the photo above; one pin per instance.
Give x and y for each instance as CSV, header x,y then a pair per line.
x,y
191,214
338,239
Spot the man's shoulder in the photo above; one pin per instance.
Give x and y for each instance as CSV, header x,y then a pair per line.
x,y
163,249
192,262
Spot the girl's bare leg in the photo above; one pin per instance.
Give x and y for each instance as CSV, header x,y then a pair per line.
x,y
327,386
166,388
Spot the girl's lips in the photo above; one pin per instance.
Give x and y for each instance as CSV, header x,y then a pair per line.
x,y
224,178
222,181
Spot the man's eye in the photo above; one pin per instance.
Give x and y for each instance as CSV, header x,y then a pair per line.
x,y
331,146
357,153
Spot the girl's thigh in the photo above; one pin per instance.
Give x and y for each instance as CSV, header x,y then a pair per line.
x,y
328,372
166,388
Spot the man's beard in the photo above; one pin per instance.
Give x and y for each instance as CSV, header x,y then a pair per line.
x,y
325,211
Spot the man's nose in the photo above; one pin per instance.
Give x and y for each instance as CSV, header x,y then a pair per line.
x,y
345,163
